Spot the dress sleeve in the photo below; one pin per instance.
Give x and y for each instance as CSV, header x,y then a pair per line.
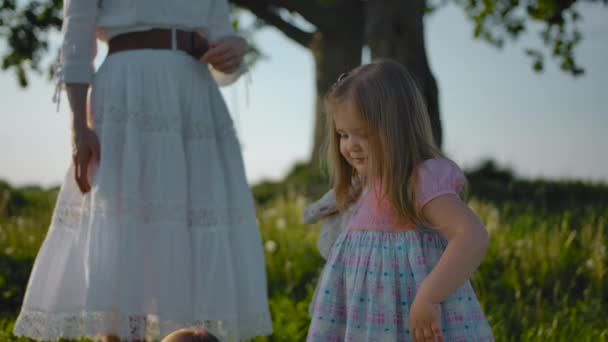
x,y
79,45
438,177
219,27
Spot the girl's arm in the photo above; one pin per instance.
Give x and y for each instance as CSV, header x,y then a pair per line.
x,y
468,241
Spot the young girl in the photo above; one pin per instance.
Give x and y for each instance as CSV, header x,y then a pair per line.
x,y
388,277
154,227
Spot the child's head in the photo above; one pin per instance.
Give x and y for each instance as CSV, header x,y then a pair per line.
x,y
191,335
378,129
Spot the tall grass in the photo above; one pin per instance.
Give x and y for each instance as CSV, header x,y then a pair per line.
x,y
544,277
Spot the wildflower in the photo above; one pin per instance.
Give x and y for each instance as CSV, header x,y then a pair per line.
x,y
281,223
270,212
270,246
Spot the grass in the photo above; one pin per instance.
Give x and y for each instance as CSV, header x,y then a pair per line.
x,y
544,277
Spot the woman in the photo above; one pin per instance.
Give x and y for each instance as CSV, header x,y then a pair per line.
x,y
154,227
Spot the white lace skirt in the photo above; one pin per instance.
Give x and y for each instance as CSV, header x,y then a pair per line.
x,y
167,238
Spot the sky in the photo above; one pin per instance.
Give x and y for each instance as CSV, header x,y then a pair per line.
x,y
548,125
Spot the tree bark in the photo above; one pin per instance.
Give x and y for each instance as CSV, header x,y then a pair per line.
x,y
333,55
336,43
395,29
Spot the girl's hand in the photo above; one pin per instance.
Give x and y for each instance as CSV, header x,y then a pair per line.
x,y
425,321
85,149
226,54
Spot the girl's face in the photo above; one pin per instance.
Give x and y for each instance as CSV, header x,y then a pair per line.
x,y
353,134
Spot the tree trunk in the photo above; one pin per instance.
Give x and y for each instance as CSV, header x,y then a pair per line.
x,y
395,29
336,43
333,54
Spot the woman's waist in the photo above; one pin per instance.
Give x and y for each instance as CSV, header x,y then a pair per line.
x,y
119,16
105,33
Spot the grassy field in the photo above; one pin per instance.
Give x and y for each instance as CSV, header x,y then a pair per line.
x,y
544,277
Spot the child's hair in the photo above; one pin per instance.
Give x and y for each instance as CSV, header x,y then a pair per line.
x,y
388,100
191,335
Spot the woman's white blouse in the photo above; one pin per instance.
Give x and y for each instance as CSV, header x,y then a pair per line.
x,y
86,20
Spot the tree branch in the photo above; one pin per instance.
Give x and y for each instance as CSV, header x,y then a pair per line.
x,y
311,10
323,14
320,13
264,12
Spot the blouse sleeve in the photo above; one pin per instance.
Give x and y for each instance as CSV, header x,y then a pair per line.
x,y
438,177
79,41
219,27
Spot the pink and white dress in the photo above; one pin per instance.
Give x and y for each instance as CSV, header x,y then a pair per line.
x,y
376,265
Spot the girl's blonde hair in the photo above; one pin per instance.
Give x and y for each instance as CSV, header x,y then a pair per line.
x,y
191,335
389,101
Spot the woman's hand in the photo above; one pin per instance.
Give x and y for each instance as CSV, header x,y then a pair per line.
x,y
85,149
425,321
226,54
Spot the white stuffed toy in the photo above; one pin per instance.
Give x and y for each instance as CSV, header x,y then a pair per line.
x,y
333,222
332,225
